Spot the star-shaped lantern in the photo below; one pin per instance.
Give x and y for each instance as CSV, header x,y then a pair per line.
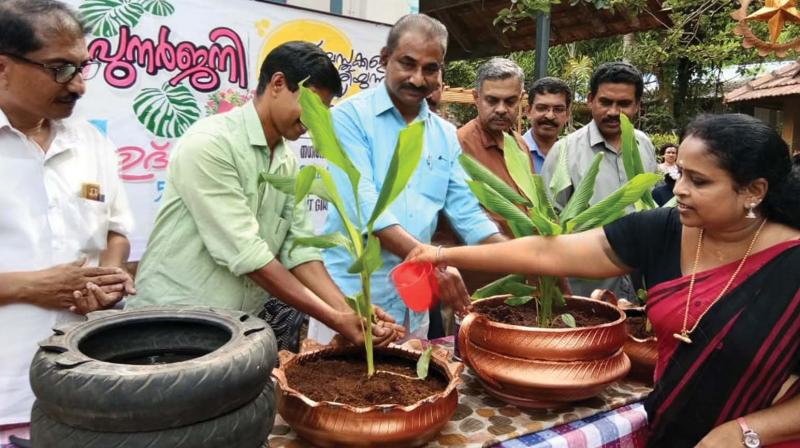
x,y
776,13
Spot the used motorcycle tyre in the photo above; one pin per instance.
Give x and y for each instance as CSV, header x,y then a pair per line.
x,y
246,427
151,369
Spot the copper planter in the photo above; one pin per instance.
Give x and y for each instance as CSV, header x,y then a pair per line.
x,y
545,367
643,352
329,424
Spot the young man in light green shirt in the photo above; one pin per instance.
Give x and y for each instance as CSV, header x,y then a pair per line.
x,y
222,238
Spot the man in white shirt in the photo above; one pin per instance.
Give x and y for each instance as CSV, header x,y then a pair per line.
x,y
64,212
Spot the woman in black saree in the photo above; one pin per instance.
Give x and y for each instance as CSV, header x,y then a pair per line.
x,y
724,300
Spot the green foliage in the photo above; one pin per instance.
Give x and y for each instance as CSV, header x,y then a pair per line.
x,y
498,286
423,363
541,218
523,9
312,179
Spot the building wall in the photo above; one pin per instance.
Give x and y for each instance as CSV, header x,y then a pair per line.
x,y
384,11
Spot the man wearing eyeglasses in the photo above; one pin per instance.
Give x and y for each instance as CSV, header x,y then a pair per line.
x,y
64,212
548,112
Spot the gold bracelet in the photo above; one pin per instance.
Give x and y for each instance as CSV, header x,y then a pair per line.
x,y
439,258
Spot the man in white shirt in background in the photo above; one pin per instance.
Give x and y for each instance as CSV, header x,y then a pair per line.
x,y
64,215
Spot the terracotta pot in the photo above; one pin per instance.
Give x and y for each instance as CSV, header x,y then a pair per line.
x,y
642,352
545,367
329,424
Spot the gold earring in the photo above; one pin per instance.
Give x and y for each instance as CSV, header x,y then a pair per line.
x,y
750,214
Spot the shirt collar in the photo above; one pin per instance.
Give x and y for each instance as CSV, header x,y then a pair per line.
x,y
383,102
4,120
531,141
252,125
595,137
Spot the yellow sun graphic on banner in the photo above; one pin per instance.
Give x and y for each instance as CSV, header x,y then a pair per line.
x,y
328,37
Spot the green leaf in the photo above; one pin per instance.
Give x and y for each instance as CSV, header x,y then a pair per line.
x,y
631,158
316,116
561,178
497,287
517,301
569,320
583,194
641,293
369,261
106,17
480,173
166,112
542,201
404,162
284,184
358,304
161,8
327,241
305,178
496,203
614,205
518,164
672,202
424,363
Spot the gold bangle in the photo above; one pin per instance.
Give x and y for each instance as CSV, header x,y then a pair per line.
x,y
439,255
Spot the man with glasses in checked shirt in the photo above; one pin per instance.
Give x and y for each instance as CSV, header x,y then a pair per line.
x,y
64,216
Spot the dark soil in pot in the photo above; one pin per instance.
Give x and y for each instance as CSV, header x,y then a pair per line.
x,y
527,314
637,327
344,379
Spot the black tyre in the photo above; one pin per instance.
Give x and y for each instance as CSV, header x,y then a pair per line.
x,y
246,427
153,368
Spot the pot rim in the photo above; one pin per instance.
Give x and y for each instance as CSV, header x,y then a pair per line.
x,y
620,319
452,369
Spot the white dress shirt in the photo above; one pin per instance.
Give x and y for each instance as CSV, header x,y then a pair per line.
x,y
45,222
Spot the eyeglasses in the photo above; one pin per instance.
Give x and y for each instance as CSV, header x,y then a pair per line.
x,y
544,108
63,73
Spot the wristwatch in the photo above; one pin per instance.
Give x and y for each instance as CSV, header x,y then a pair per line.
x,y
750,438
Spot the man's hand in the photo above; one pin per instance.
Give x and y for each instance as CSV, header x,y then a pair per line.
x,y
102,296
55,287
452,290
385,330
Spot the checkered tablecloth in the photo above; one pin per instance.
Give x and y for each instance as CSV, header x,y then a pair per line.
x,y
624,427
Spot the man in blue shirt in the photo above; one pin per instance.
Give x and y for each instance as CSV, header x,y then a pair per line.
x,y
368,125
548,112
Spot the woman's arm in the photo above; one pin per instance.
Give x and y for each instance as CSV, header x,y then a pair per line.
x,y
774,424
585,254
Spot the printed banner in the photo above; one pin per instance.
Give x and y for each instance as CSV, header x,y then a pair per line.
x,y
168,63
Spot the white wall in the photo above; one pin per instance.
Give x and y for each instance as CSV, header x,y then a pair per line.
x,y
384,11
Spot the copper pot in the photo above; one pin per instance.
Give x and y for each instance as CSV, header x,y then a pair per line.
x,y
555,344
643,352
330,424
545,367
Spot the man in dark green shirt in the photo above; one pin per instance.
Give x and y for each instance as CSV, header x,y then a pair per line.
x,y
222,238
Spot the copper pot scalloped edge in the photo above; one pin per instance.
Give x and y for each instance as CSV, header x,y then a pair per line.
x,y
643,352
544,392
331,424
554,344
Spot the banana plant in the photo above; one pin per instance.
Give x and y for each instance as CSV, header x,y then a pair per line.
x,y
532,212
366,252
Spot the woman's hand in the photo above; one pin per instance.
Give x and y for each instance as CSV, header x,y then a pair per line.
x,y
725,435
425,253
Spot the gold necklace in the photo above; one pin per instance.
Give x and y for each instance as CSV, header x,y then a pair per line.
x,y
683,336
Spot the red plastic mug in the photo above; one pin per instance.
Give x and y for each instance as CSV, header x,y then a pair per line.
x,y
417,285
